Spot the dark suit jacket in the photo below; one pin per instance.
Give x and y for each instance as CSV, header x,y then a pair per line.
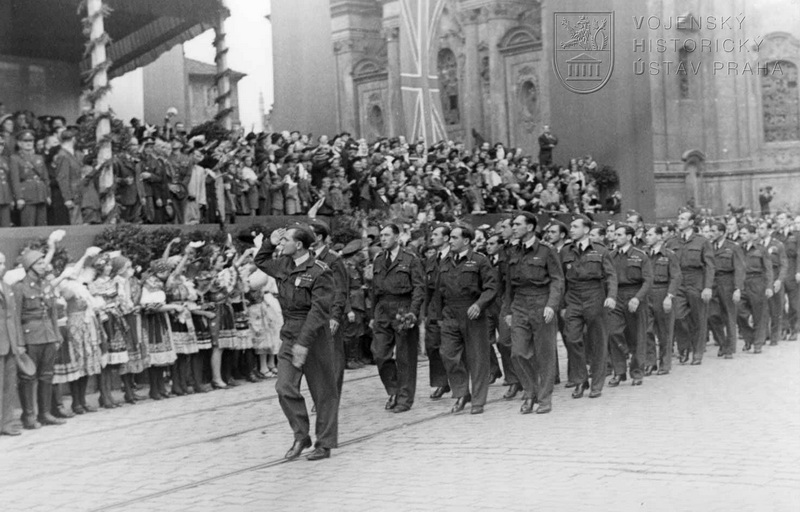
x,y
9,321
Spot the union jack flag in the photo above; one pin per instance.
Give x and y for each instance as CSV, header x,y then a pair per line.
x,y
419,82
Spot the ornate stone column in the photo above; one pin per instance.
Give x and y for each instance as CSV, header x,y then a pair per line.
x,y
396,120
223,71
472,112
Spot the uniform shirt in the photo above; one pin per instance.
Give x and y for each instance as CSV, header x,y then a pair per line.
x,y
633,269
666,269
777,254
592,264
30,180
402,277
467,277
695,254
305,291
36,310
729,260
341,300
534,265
791,243
757,261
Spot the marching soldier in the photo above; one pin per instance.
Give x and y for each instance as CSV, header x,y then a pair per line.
x,y
591,290
791,244
466,285
440,240
305,293
666,281
398,290
356,314
780,265
30,181
727,290
534,286
758,283
557,234
628,320
696,258
36,310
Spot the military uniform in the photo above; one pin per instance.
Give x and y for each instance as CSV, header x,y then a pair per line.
x,y
338,310
433,336
305,293
696,258
590,278
466,279
36,309
791,243
6,193
666,282
9,346
628,331
728,277
758,276
534,280
357,304
398,287
775,304
31,183
68,177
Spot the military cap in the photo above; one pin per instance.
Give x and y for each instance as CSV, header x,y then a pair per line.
x,y
352,247
29,257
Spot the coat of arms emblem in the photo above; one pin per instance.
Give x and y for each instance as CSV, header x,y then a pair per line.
x,y
583,49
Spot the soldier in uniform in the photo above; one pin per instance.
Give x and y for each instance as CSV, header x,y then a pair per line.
x,y
533,289
10,345
791,243
356,313
154,178
6,192
466,285
398,290
758,283
68,164
591,284
696,258
557,234
727,290
339,307
130,187
497,252
666,282
37,315
780,266
628,320
305,293
30,181
180,172
440,240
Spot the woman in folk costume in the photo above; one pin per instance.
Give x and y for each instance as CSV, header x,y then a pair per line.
x,y
218,292
115,328
242,359
83,333
156,331
266,320
129,291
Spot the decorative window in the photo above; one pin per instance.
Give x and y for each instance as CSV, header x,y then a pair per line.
x,y
683,73
448,86
780,101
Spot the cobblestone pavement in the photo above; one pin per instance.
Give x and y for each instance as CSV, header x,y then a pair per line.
x,y
722,436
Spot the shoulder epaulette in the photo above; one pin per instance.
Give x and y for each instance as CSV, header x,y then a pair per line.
x,y
321,264
639,250
547,244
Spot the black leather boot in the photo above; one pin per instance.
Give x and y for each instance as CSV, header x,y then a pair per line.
x,y
26,399
45,402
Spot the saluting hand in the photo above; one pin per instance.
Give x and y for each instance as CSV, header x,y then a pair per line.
x,y
275,236
549,314
706,295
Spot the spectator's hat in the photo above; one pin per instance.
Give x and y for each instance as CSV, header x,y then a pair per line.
x,y
5,117
352,247
373,231
25,365
29,257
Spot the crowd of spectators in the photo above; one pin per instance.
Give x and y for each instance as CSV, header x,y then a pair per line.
x,y
166,174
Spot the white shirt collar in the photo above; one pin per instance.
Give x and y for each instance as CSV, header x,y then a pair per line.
x,y
444,250
319,250
463,254
302,259
394,252
624,250
529,243
583,244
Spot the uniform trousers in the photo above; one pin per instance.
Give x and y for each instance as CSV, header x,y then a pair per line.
x,y
691,315
465,351
722,314
661,327
433,344
8,381
533,345
775,305
499,330
319,374
33,215
793,296
339,355
5,215
627,335
586,330
399,376
753,303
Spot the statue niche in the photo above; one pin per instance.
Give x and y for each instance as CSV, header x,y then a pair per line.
x,y
448,86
